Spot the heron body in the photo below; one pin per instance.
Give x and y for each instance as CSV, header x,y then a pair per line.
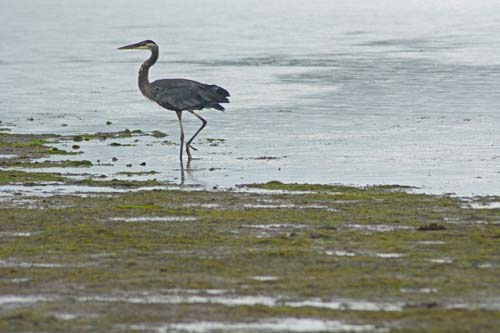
x,y
178,94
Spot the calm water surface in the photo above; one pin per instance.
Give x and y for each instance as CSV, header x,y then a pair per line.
x,y
353,92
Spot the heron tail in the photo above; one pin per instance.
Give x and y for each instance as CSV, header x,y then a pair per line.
x,y
217,107
222,93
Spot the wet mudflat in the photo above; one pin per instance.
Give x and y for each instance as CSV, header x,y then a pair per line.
x,y
157,257
360,92
101,231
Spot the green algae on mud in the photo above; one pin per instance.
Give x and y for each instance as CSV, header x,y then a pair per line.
x,y
105,135
54,164
23,149
137,173
322,244
21,177
115,135
30,178
302,248
118,183
277,185
29,146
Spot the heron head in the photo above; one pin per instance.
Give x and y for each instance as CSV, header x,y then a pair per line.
x,y
144,45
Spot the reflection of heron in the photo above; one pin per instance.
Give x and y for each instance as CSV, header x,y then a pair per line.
x,y
178,94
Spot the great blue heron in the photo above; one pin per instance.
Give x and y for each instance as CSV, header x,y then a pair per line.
x,y
178,94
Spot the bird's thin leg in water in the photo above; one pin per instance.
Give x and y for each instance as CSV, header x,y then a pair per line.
x,y
179,115
204,123
182,173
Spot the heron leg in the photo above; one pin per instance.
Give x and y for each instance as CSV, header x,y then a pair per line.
x,y
179,116
204,123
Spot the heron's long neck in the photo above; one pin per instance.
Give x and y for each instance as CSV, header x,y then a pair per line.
x,y
144,85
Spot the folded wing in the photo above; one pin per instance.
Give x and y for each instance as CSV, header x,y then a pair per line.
x,y
182,94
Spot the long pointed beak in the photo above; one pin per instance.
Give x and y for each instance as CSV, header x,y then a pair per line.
x,y
129,47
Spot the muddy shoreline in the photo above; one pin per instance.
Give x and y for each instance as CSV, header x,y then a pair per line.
x,y
149,255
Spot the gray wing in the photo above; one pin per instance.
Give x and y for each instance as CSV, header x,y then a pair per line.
x,y
182,94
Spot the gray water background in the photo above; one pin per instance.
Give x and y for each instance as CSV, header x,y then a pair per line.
x,y
352,92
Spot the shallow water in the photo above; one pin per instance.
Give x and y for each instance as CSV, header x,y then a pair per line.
x,y
49,189
340,253
15,234
389,255
154,219
21,264
353,92
245,300
264,278
379,227
418,290
10,300
488,205
270,325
